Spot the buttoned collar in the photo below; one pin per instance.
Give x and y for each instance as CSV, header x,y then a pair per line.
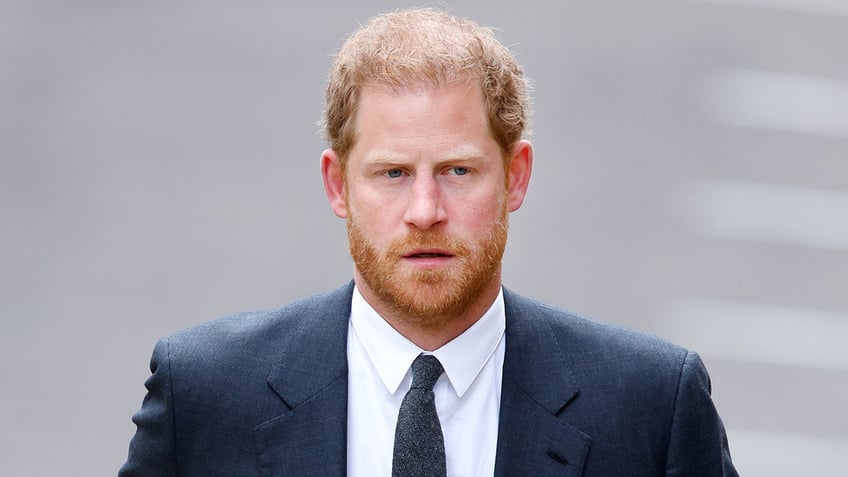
x,y
392,354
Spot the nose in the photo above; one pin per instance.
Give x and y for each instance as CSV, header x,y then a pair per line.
x,y
425,207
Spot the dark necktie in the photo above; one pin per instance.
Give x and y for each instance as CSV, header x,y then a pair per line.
x,y
419,444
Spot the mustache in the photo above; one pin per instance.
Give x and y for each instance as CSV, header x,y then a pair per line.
x,y
427,239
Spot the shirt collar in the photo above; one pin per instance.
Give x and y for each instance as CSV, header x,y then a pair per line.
x,y
392,354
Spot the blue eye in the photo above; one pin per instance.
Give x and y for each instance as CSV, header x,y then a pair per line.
x,y
460,171
394,173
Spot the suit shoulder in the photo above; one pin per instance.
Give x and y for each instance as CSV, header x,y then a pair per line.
x,y
285,326
596,340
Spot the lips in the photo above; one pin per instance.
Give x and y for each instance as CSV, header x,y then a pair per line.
x,y
428,254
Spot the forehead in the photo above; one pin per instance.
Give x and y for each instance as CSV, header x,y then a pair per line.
x,y
462,93
424,117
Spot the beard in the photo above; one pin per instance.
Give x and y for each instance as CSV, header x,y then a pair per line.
x,y
429,297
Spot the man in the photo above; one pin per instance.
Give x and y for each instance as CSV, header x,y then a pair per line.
x,y
425,115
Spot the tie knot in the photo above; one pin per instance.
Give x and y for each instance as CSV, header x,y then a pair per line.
x,y
426,370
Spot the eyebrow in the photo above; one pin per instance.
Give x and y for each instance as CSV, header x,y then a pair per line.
x,y
461,153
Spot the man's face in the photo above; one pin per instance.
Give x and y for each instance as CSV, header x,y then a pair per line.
x,y
426,200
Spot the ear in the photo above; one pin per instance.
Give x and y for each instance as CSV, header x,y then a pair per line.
x,y
331,172
520,167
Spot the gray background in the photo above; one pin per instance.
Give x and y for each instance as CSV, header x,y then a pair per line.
x,y
159,168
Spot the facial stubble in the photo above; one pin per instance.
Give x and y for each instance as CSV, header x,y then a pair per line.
x,y
429,297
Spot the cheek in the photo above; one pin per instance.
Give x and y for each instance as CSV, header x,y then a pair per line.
x,y
359,205
479,215
377,219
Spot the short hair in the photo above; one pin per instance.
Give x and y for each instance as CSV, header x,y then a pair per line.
x,y
425,47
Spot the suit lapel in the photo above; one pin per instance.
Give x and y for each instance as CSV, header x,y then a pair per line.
x,y
311,378
532,438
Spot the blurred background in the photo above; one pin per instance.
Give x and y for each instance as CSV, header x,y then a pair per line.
x,y
159,168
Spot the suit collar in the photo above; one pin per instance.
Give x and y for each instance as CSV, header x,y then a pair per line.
x,y
314,352
534,436
534,359
311,378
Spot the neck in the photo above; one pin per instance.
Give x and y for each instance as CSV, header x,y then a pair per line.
x,y
436,331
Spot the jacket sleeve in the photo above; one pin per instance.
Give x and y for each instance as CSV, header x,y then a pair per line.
x,y
152,450
697,441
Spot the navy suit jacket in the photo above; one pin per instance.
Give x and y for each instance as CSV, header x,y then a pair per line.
x,y
265,394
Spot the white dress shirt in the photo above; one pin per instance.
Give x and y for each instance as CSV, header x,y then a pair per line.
x,y
468,394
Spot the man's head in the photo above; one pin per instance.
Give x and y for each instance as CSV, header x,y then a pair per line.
x,y
424,117
424,47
